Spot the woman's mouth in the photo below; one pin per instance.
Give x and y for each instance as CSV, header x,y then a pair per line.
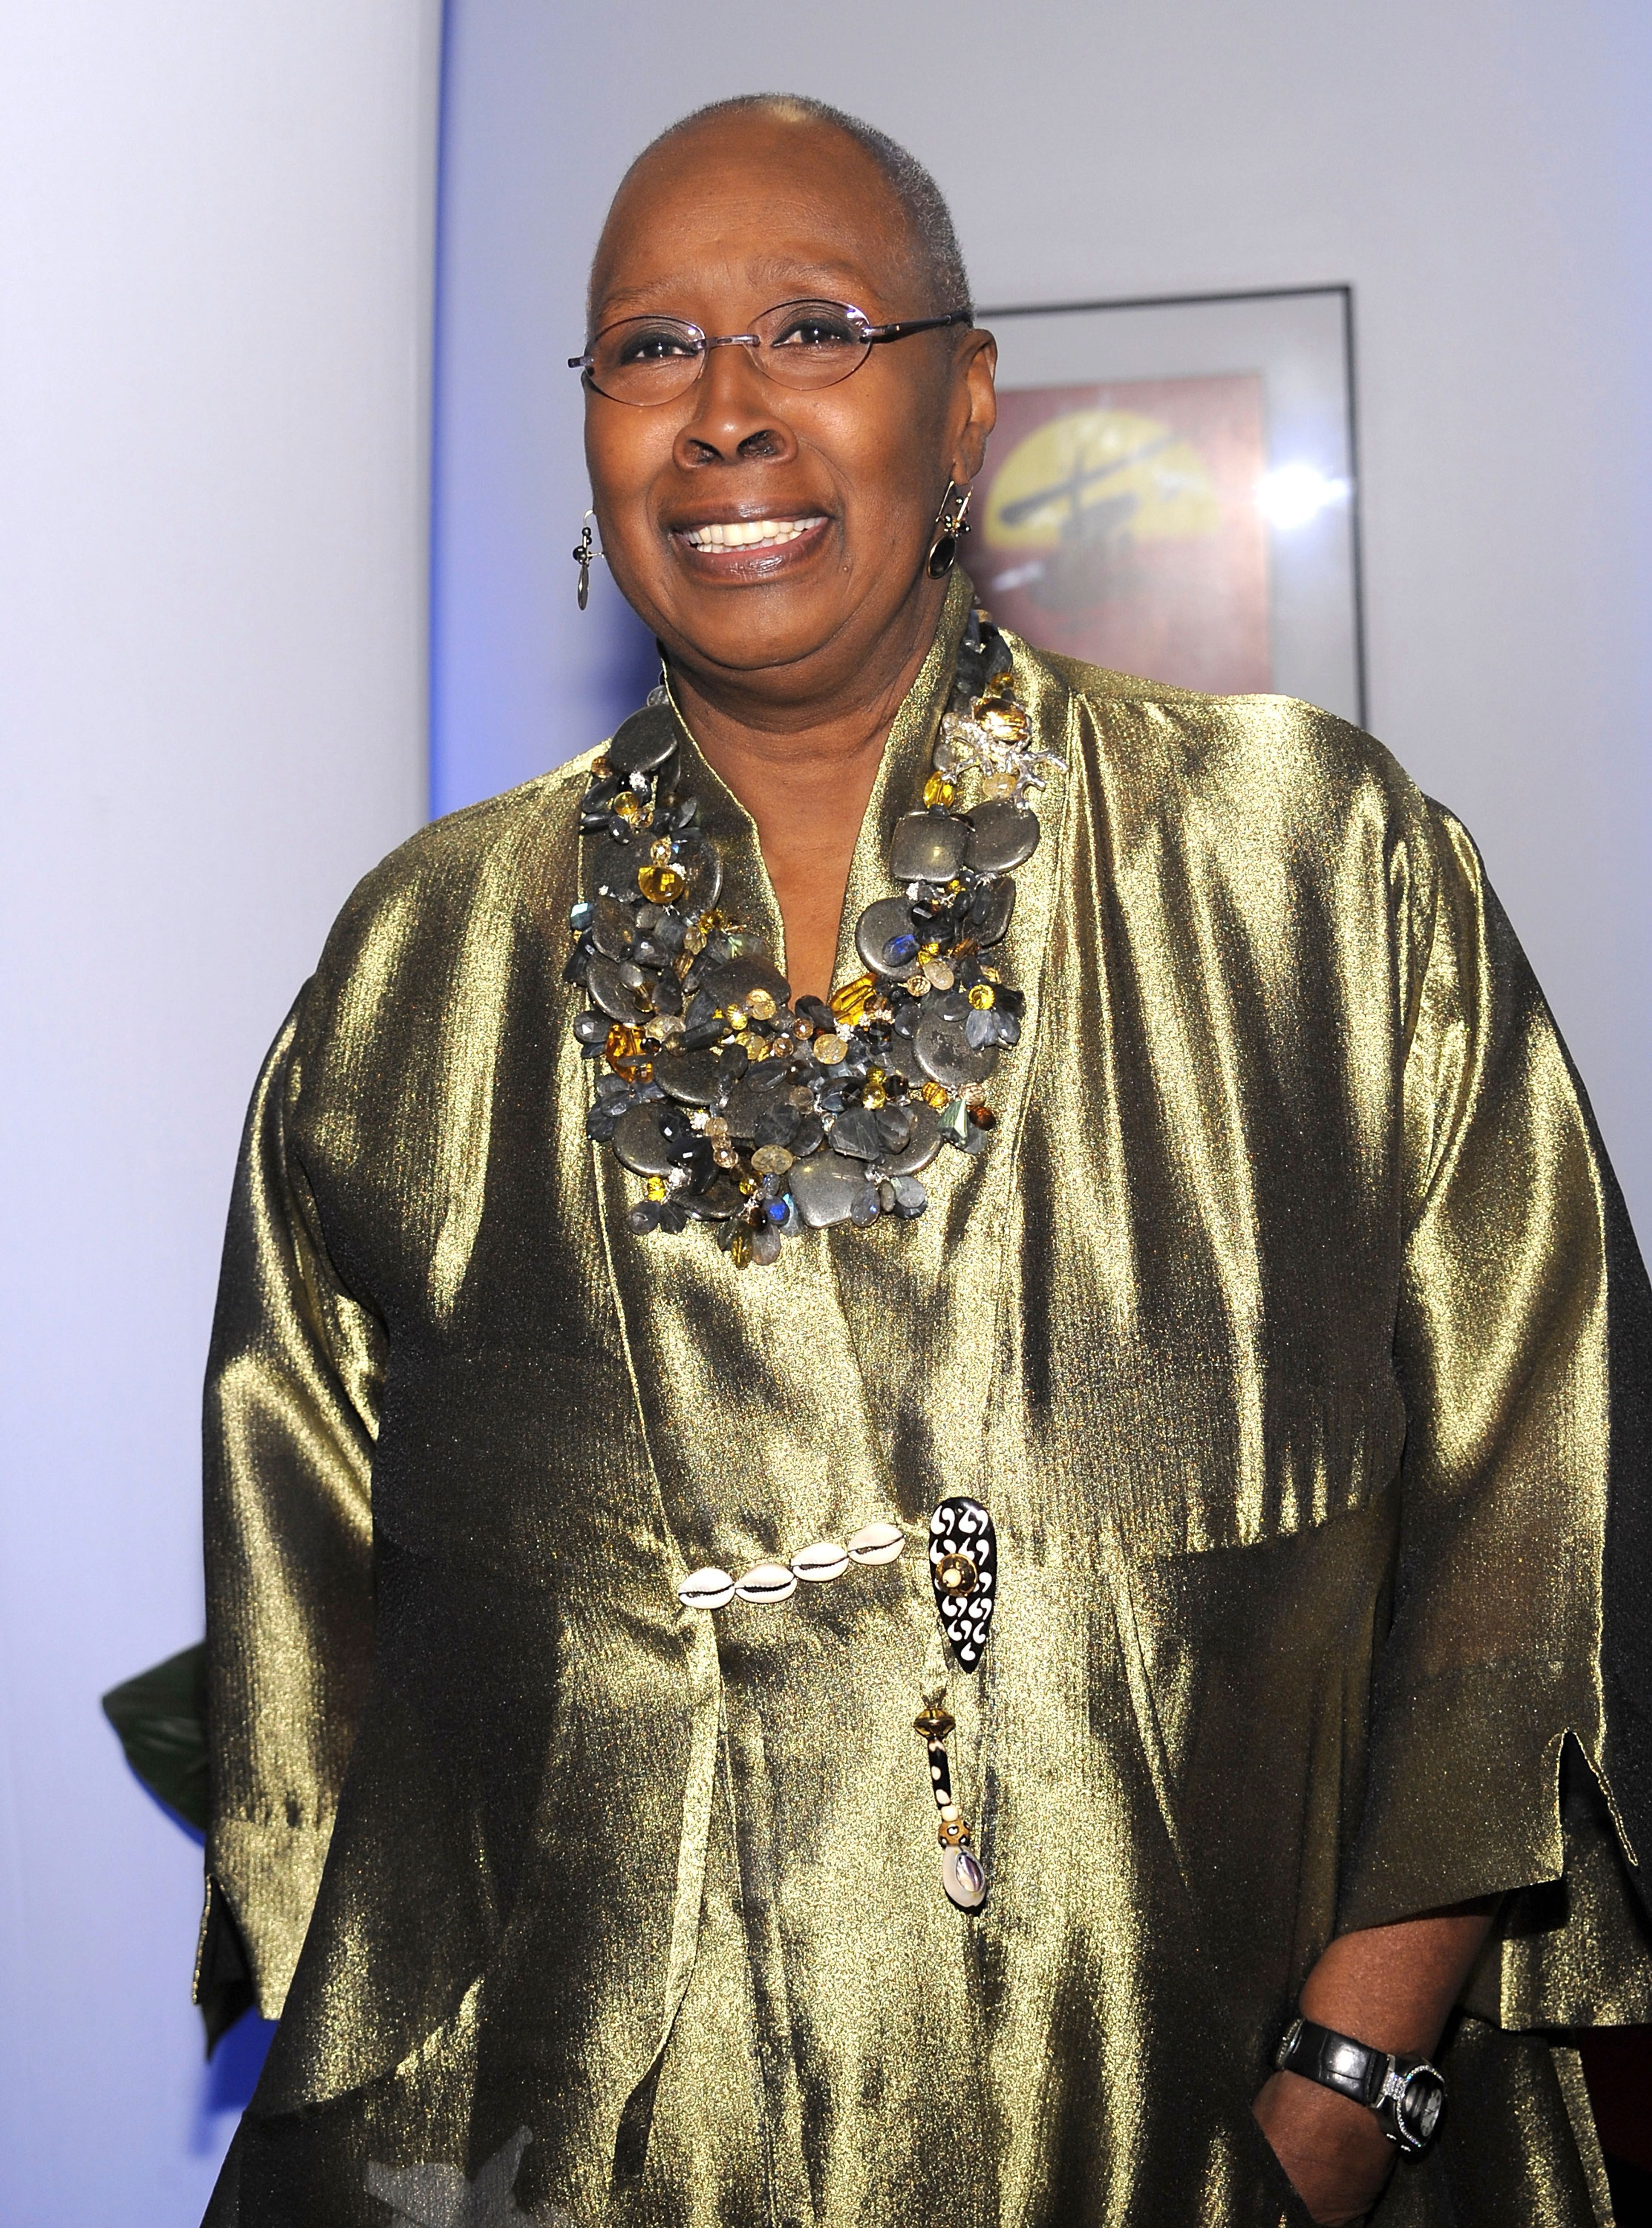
x,y
752,534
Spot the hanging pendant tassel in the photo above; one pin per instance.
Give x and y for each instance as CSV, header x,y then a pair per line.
x,y
962,1877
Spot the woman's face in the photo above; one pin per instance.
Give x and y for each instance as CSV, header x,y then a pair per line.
x,y
717,226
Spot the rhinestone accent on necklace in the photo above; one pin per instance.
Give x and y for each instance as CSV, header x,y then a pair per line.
x,y
760,1116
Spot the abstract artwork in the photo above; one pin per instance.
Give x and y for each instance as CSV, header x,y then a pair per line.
x,y
1170,491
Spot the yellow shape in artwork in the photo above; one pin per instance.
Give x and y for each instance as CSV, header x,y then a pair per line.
x,y
1108,473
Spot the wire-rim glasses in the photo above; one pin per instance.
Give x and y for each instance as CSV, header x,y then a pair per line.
x,y
805,345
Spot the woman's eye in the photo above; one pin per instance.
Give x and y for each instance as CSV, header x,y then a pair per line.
x,y
816,331
655,347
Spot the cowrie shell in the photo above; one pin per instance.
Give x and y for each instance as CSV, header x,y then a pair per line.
x,y
707,1589
766,1581
825,1560
963,1879
877,1543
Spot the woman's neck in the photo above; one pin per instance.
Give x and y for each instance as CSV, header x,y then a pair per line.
x,y
804,772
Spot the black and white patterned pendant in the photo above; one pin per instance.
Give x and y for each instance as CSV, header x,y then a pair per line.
x,y
963,1571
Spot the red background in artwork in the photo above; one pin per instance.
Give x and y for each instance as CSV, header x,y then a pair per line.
x,y
1194,612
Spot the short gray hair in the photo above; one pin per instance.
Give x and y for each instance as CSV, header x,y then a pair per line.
x,y
923,203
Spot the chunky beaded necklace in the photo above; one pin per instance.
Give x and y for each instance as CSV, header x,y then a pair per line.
x,y
759,1116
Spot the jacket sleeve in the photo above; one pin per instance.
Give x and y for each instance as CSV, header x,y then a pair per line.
x,y
292,1398
1522,1349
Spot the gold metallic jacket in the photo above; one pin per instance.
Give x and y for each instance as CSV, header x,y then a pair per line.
x,y
1291,1328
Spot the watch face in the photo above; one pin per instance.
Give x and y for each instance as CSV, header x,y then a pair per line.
x,y
1421,2104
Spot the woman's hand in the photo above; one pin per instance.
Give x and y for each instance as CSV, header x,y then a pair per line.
x,y
1335,2154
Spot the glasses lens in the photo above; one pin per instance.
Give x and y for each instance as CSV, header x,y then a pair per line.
x,y
811,343
646,359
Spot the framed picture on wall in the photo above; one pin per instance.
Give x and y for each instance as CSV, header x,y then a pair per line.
x,y
1171,490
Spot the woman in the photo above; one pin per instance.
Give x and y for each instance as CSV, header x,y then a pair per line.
x,y
926,1184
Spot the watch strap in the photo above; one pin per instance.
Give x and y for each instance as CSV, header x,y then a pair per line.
x,y
1336,2061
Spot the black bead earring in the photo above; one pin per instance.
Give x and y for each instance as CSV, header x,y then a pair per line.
x,y
950,527
583,556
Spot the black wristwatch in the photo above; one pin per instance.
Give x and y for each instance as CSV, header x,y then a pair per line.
x,y
1406,2094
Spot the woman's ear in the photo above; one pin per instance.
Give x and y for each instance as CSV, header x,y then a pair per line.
x,y
978,363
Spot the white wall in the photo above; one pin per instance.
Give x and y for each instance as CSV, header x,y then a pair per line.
x,y
1481,172
215,261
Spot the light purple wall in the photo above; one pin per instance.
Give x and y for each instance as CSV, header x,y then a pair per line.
x,y
215,253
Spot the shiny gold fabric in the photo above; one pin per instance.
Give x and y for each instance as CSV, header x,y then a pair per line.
x,y
1280,1327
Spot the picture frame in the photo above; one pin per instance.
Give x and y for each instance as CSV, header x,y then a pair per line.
x,y
1172,489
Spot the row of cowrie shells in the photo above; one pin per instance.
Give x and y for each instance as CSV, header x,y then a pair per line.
x,y
777,1582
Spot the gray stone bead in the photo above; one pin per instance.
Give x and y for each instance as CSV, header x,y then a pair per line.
x,y
919,1148
692,1078
639,1145
911,1197
991,912
1003,834
643,742
825,1187
612,925
947,1056
697,858
609,990
927,847
884,937
732,984
855,1132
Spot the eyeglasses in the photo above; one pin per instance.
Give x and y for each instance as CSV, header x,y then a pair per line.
x,y
801,344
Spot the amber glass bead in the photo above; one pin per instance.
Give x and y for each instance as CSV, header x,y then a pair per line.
x,y
933,1721
938,790
998,785
936,1095
852,1001
661,885
739,1249
626,808
983,1117
874,1095
829,1050
981,995
655,1187
760,1005
623,1046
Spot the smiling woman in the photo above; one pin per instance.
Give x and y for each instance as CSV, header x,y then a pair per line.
x,y
928,1240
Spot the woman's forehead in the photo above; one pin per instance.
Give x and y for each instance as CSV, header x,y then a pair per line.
x,y
751,211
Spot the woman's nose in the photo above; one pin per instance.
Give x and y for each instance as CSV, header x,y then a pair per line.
x,y
734,418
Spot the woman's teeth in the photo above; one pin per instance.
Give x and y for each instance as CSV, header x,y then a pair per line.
x,y
749,534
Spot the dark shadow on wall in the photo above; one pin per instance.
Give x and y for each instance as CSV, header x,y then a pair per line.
x,y
228,2079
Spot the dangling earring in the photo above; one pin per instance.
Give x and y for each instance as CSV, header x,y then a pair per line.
x,y
583,556
950,526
